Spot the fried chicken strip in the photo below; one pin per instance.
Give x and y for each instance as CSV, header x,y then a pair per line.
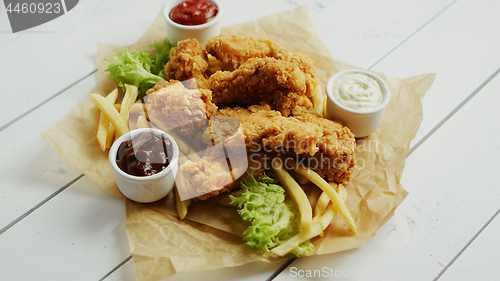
x,y
276,82
237,50
188,60
172,106
325,146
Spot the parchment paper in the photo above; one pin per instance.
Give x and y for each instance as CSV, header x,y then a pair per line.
x,y
161,244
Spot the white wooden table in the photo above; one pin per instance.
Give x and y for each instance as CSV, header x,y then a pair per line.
x,y
56,224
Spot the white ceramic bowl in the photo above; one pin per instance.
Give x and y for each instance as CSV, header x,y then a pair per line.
x,y
148,188
177,32
361,123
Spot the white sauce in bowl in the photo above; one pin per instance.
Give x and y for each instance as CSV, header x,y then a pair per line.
x,y
357,91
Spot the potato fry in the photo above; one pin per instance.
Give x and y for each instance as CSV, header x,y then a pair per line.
x,y
320,223
321,205
110,111
142,122
128,100
181,206
102,129
321,183
111,136
296,193
137,108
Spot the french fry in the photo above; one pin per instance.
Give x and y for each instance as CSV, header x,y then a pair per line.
x,y
321,183
102,129
111,136
110,111
296,193
321,205
128,100
137,108
142,122
181,206
320,223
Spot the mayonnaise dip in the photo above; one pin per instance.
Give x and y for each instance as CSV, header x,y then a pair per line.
x,y
357,91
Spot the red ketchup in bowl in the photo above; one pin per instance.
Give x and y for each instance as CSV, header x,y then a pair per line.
x,y
193,12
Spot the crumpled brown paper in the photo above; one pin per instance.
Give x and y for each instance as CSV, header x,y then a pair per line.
x,y
161,244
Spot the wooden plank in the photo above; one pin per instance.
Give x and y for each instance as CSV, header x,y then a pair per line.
x,y
30,170
58,53
460,47
480,260
64,49
453,188
52,186
361,32
80,234
21,142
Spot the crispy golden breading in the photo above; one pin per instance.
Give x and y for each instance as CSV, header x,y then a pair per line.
x,y
274,101
261,125
171,106
188,60
223,163
337,147
212,175
277,82
325,146
237,50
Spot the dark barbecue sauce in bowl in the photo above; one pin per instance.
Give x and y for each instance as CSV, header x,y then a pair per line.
x,y
193,12
144,155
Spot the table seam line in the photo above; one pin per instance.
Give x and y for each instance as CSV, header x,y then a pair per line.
x,y
455,110
281,269
467,245
116,268
286,264
27,213
415,32
26,113
413,148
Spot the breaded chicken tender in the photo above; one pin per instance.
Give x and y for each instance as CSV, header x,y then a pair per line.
x,y
325,146
171,106
237,50
277,82
188,60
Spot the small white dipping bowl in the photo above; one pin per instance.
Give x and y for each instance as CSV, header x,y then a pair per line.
x,y
147,188
360,122
177,32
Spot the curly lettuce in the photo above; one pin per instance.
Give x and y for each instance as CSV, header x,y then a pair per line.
x,y
273,215
142,69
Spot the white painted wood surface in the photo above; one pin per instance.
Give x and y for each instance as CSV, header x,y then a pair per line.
x,y
55,225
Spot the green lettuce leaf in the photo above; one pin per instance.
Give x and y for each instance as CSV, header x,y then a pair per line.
x,y
162,56
273,215
141,69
